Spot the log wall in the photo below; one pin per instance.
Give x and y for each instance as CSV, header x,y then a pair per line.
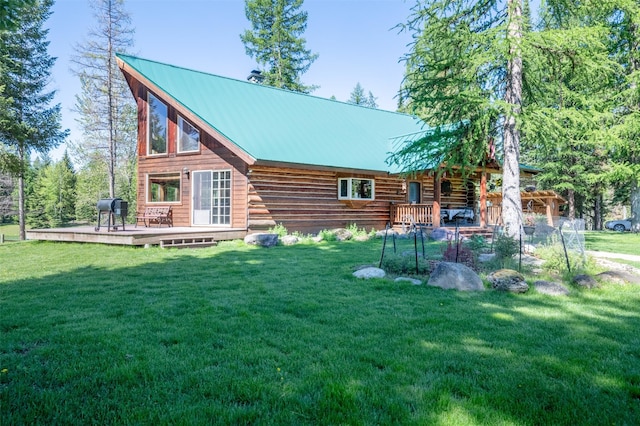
x,y
307,200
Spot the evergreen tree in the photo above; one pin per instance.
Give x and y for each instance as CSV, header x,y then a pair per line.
x,y
464,78
108,117
567,118
358,97
275,41
57,191
623,18
33,124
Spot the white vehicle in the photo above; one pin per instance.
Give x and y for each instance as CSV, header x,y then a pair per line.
x,y
618,225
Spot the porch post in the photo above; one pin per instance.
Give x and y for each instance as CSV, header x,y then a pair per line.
x,y
548,205
436,199
483,198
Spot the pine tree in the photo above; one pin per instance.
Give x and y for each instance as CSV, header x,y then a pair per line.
x,y
275,41
464,78
108,117
566,119
623,18
34,125
358,97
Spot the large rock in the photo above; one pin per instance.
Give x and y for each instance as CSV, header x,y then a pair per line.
x,y
370,272
455,276
342,234
441,234
262,239
289,240
413,281
550,288
618,277
585,281
508,280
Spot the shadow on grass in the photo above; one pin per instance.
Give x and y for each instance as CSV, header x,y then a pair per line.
x,y
234,334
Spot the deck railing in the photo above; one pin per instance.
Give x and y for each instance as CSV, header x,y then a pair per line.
x,y
412,213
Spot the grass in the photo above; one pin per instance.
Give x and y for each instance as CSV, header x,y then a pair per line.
x,y
240,335
615,242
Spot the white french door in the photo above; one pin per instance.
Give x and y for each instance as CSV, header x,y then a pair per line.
x,y
211,200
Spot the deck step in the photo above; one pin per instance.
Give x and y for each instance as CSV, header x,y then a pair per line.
x,y
190,242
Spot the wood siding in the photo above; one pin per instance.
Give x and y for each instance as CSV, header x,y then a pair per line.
x,y
307,200
213,155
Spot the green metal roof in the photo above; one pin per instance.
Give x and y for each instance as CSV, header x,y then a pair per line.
x,y
272,124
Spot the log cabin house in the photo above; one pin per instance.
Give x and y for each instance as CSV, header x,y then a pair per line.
x,y
231,153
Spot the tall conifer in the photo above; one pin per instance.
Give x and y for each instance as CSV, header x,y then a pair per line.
x,y
33,125
275,41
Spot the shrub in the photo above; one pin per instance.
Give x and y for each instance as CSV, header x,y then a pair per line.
x,y
398,264
279,229
459,253
505,248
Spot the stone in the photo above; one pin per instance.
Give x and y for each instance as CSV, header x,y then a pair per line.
x,y
508,280
369,272
388,232
585,281
407,279
618,277
289,240
362,237
342,234
550,288
441,234
262,239
448,275
486,257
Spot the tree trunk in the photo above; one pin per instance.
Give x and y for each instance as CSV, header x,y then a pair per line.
x,y
511,201
571,201
21,211
635,206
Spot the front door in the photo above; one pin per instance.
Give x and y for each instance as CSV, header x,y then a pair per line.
x,y
211,202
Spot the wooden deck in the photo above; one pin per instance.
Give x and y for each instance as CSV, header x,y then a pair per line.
x,y
140,236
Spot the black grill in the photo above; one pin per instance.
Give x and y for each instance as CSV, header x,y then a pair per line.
x,y
112,207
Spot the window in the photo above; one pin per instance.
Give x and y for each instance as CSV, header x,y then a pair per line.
x,y
355,189
157,127
415,190
188,136
164,188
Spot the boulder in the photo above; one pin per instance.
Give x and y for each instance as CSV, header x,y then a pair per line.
x,y
455,276
389,232
508,280
407,279
550,288
262,239
618,277
368,273
585,281
441,234
289,240
342,234
486,257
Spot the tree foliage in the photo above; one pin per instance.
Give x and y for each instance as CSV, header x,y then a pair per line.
x,y
463,78
275,41
108,116
358,97
32,124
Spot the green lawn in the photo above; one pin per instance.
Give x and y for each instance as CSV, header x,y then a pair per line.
x,y
233,334
615,242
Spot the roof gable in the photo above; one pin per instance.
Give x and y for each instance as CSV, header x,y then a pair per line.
x,y
271,124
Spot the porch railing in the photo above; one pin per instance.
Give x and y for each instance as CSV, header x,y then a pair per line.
x,y
412,213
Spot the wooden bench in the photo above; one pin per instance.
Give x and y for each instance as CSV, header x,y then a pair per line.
x,y
156,214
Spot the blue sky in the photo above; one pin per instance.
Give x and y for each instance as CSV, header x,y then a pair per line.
x,y
355,39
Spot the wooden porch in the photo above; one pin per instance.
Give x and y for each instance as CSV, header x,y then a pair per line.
x,y
139,236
